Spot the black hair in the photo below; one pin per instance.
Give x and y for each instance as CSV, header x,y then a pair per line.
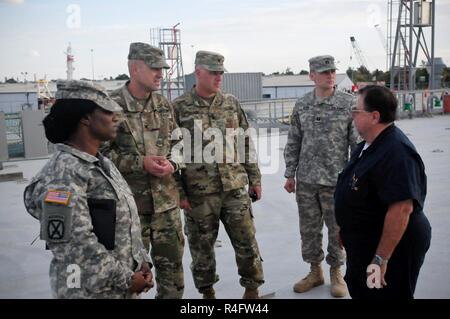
x,y
64,116
381,99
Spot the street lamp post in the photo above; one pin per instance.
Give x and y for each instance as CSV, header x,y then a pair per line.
x,y
193,55
92,64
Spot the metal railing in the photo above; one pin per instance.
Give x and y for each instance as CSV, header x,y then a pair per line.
x,y
277,112
269,113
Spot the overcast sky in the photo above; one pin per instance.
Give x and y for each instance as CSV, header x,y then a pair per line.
x,y
253,35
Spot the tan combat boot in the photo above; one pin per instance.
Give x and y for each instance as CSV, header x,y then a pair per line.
x,y
313,279
338,286
251,293
209,293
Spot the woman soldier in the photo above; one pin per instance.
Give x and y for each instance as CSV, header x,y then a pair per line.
x,y
86,210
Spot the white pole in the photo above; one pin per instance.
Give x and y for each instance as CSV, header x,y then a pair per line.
x,y
92,63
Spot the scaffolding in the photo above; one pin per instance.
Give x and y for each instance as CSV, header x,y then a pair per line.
x,y
43,89
391,22
412,17
169,40
45,96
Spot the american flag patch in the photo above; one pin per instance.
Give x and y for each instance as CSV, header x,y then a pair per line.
x,y
57,197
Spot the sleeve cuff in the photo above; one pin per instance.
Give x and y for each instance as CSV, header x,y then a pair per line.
x,y
255,183
128,280
289,173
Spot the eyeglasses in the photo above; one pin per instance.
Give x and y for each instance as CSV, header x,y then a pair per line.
x,y
355,109
215,72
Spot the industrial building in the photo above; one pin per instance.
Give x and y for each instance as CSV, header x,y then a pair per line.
x,y
294,86
17,97
245,86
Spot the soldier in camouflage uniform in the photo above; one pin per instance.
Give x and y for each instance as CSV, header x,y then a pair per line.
x,y
215,191
88,216
320,135
142,153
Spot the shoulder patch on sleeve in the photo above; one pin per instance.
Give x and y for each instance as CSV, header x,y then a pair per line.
x,y
56,220
57,197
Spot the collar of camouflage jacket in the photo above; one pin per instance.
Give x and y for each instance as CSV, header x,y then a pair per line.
x,y
132,105
330,100
75,152
198,101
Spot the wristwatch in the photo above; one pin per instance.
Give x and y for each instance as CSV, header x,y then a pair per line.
x,y
378,260
176,167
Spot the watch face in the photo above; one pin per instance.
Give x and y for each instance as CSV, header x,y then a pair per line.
x,y
377,260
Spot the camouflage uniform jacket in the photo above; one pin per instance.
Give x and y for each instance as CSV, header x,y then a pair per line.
x,y
103,273
145,130
319,138
224,113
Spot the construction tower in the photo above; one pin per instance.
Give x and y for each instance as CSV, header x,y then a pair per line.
x,y
414,25
169,40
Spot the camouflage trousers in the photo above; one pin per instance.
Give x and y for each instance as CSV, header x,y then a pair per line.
x,y
233,208
164,232
316,205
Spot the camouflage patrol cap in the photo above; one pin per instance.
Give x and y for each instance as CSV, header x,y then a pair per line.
x,y
211,61
74,89
321,63
152,56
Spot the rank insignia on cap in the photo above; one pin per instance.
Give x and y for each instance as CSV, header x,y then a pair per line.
x,y
57,197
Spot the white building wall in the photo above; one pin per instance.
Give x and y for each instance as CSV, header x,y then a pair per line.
x,y
295,86
16,102
268,93
286,92
245,86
